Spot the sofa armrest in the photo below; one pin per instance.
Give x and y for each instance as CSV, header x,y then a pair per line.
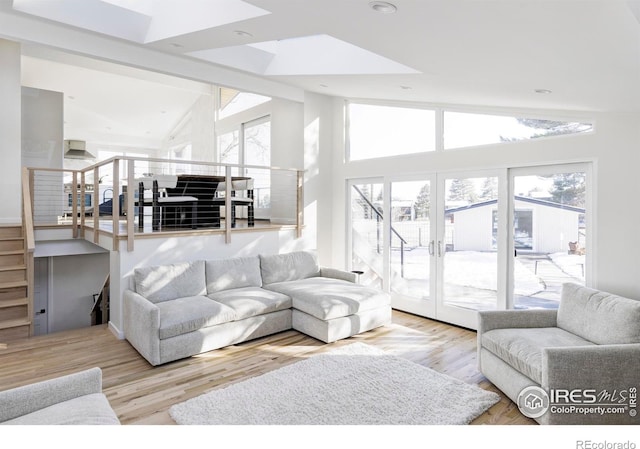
x,y
334,273
142,325
27,399
599,367
510,319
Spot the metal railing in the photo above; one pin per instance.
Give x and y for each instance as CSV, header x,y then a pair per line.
x,y
379,220
106,198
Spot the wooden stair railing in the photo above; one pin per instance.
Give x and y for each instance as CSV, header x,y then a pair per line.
x,y
100,311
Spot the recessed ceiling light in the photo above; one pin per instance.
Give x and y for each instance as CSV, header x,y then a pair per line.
x,y
542,91
323,85
383,7
405,87
71,97
242,33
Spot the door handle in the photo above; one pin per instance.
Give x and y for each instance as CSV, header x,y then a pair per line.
x,y
439,248
432,244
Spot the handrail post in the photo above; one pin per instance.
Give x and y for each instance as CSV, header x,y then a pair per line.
x,y
96,204
82,205
74,204
130,197
115,203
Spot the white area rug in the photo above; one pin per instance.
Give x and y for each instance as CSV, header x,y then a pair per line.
x,y
356,384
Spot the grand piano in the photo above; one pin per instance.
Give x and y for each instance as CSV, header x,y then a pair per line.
x,y
202,187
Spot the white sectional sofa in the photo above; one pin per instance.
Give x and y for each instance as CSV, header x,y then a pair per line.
x,y
176,311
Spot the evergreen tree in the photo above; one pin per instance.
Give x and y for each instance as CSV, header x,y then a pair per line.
x,y
422,204
489,190
569,189
462,190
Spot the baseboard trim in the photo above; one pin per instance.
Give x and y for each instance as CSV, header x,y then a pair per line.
x,y
115,331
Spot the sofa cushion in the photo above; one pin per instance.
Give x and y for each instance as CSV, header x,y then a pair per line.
x,y
598,316
189,314
252,301
289,266
326,298
522,348
167,282
90,409
232,273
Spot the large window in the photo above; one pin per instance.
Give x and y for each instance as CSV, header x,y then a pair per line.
x,y
380,131
374,131
466,130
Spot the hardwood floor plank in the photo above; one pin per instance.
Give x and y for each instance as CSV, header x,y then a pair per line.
x,y
142,394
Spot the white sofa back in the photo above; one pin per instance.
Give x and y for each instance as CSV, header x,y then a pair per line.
x,y
204,277
289,266
226,274
168,282
600,317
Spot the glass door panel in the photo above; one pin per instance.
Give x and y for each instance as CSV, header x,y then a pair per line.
x,y
367,232
411,242
549,235
468,248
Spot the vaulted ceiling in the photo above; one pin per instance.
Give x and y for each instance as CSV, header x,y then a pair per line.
x,y
469,52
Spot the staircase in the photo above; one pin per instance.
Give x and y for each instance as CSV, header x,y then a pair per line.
x,y
15,304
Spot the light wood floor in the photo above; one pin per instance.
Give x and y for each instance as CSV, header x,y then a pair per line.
x,y
142,394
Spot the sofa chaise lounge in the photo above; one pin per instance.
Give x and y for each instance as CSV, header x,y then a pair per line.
x,y
587,352
176,311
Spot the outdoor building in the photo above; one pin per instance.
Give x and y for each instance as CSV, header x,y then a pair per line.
x,y
540,226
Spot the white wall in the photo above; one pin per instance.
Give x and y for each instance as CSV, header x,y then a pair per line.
x,y
73,281
10,137
613,148
287,151
318,180
42,146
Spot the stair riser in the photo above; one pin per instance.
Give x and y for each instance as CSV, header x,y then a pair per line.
x,y
13,275
11,245
13,313
14,333
13,293
11,259
10,232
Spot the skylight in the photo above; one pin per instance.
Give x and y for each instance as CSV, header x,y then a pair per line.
x,y
141,21
310,55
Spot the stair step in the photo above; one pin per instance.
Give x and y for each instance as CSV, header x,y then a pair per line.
x,y
8,324
14,303
13,267
11,232
15,252
13,284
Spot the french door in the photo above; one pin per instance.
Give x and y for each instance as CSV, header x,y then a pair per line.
x,y
447,245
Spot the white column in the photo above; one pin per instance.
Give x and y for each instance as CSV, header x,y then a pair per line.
x,y
10,134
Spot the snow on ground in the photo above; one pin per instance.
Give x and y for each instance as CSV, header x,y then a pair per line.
x,y
572,264
465,268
